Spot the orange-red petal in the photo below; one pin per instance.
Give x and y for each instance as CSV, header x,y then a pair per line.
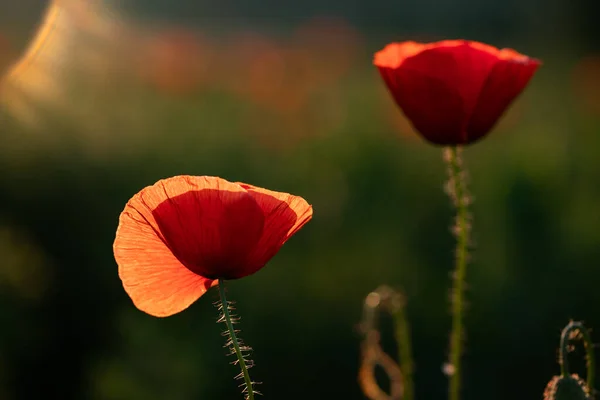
x,y
284,215
171,232
176,237
157,282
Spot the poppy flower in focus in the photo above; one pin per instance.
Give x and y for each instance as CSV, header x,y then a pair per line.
x,y
177,237
453,91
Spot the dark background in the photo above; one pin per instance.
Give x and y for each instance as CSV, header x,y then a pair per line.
x,y
284,96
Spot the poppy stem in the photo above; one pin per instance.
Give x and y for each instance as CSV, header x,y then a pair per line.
x,y
566,336
234,344
456,189
402,333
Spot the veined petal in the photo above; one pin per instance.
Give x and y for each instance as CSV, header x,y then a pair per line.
x,y
211,225
284,215
180,234
157,282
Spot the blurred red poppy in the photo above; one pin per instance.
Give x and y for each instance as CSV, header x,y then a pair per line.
x,y
453,91
332,45
176,61
177,237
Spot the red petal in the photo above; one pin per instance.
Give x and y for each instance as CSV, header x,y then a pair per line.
x,y
210,224
157,282
435,110
394,54
439,86
506,81
284,215
461,65
176,236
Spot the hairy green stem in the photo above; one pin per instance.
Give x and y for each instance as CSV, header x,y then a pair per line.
x,y
404,352
234,340
457,190
565,337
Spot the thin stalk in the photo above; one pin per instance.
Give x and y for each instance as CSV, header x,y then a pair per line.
x,y
234,342
457,191
402,333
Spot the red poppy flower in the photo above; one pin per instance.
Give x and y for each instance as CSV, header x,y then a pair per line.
x,y
453,91
177,237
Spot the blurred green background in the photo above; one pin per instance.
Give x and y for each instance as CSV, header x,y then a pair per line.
x,y
284,96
